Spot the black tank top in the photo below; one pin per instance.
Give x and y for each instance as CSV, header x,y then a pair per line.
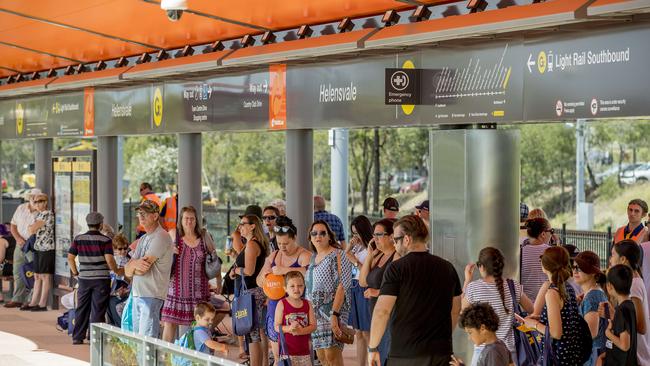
x,y
375,276
250,281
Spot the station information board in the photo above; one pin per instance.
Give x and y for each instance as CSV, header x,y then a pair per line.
x,y
591,74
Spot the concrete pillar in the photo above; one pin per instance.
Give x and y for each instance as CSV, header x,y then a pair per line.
x,y
300,180
339,176
43,165
107,177
189,171
474,200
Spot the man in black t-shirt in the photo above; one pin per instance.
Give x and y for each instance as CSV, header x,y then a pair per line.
x,y
422,291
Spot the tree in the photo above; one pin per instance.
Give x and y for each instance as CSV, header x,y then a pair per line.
x,y
156,165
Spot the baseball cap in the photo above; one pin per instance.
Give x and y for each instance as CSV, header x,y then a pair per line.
x,y
423,206
391,204
148,206
252,210
94,218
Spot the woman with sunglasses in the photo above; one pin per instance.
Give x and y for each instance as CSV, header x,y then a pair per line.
x,y
269,215
43,228
628,252
491,288
329,277
249,263
532,276
357,253
587,275
288,257
373,269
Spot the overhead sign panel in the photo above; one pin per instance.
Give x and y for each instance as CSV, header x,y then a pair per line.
x,y
590,75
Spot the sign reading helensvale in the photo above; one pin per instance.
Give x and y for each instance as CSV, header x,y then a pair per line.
x,y
591,75
402,86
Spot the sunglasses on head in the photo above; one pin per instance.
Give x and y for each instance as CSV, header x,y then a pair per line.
x,y
282,229
318,233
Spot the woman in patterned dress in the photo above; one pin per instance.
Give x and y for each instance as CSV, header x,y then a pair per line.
x,y
329,278
189,283
43,228
560,312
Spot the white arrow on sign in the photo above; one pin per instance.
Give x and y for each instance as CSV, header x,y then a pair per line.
x,y
530,63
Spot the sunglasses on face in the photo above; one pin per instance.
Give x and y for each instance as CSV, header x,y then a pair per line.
x,y
282,229
318,233
576,269
245,223
379,235
269,218
552,231
398,238
120,249
40,201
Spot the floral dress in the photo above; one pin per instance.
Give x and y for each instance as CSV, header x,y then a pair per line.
x,y
567,348
45,235
188,286
322,281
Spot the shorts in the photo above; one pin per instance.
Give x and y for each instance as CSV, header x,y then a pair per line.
x,y
44,262
359,313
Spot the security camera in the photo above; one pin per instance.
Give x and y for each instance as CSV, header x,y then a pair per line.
x,y
174,8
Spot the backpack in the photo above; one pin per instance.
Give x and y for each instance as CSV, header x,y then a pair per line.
x,y
185,341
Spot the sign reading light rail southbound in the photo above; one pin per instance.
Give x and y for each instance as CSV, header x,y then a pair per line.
x,y
599,74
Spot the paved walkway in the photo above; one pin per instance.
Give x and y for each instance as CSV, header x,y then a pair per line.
x,y
31,339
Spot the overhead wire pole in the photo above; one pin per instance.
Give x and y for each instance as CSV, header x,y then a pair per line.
x,y
581,219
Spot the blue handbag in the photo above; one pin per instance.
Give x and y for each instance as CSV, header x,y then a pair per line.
x,y
548,357
243,310
127,315
29,244
27,274
527,344
283,351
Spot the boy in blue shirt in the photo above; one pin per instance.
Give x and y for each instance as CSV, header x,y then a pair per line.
x,y
204,315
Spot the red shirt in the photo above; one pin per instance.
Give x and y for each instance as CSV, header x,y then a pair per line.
x,y
296,345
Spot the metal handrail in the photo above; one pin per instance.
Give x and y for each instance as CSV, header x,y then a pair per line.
x,y
150,346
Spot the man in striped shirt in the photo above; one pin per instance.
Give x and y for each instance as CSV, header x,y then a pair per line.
x,y
95,252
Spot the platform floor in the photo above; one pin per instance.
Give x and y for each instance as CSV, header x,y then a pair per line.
x,y
31,338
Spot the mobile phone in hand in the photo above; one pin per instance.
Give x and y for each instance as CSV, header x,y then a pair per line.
x,y
519,318
607,314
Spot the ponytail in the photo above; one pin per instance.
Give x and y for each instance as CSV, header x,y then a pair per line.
x,y
493,262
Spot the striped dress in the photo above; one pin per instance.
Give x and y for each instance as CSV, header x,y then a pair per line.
x,y
532,276
188,286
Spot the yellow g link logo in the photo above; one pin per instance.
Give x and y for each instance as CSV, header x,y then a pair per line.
x,y
20,119
157,107
408,108
541,62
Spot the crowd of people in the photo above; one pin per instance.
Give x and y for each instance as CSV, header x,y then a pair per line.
x,y
379,288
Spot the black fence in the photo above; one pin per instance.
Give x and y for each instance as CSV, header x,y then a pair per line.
x,y
598,242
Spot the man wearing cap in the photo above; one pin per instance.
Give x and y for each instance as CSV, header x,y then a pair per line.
x,y
95,252
391,208
23,217
422,210
150,268
147,193
332,220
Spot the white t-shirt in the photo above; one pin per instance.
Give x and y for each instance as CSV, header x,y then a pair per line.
x,y
481,291
361,253
23,218
532,276
645,265
642,340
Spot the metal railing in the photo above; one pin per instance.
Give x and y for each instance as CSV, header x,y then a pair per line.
x,y
598,242
111,346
